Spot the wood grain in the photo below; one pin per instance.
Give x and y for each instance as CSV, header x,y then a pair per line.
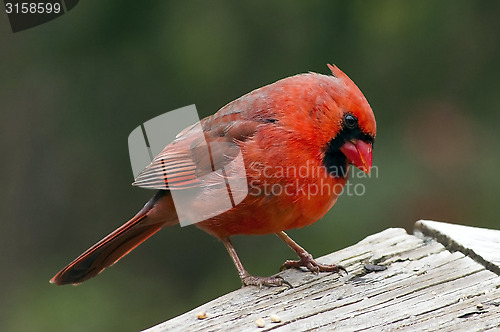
x,y
482,244
424,287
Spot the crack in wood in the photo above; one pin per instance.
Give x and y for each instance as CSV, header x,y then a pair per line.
x,y
425,287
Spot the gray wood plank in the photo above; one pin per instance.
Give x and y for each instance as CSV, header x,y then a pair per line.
x,y
424,287
481,244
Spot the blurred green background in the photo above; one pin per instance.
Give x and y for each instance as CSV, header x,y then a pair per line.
x,y
74,88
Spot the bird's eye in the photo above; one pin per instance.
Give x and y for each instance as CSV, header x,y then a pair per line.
x,y
350,121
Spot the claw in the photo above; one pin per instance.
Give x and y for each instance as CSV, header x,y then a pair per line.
x,y
273,281
309,263
306,259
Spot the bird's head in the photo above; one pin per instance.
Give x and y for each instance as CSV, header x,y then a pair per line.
x,y
355,129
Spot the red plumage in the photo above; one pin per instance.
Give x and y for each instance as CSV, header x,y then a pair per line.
x,y
298,134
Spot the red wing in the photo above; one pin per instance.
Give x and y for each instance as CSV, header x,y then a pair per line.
x,y
184,161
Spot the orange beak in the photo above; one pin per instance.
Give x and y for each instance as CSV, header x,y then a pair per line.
x,y
358,153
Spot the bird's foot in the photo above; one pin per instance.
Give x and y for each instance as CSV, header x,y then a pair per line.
x,y
306,260
273,281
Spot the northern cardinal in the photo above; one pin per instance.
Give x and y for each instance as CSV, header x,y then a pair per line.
x,y
316,124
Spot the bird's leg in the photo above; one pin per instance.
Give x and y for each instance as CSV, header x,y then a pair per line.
x,y
306,260
246,278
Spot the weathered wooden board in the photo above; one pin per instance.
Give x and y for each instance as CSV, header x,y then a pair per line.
x,y
425,287
482,244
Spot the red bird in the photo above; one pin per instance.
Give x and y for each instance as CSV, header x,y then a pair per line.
x,y
297,138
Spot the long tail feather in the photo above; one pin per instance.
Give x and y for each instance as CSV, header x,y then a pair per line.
x,y
114,246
